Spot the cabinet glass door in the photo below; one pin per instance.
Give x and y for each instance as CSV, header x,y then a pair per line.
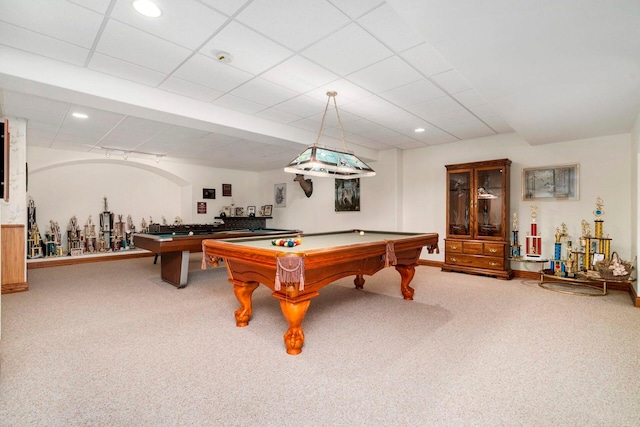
x,y
459,203
489,203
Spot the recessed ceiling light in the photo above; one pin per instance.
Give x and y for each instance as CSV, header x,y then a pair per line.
x,y
147,8
418,130
79,115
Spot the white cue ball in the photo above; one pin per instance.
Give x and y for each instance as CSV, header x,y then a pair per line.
x,y
362,233
174,233
191,233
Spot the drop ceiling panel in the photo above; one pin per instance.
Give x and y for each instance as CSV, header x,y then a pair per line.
x,y
49,15
303,106
426,59
299,74
190,90
250,51
134,131
263,92
347,50
208,72
125,70
435,107
347,92
187,23
137,47
99,6
299,23
385,75
368,107
30,41
451,81
96,126
385,24
413,93
278,115
225,6
33,107
356,8
239,104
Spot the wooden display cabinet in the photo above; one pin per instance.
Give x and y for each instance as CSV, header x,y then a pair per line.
x,y
477,212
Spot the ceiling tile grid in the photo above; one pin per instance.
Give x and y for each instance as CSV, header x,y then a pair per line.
x,y
285,56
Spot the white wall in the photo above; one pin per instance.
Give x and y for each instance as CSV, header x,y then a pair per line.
x,y
65,183
605,171
378,200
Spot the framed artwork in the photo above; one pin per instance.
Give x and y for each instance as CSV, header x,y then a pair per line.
x,y
280,195
239,212
202,207
347,195
226,190
551,183
251,210
208,193
267,210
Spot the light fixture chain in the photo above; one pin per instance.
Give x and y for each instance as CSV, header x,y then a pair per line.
x,y
344,144
326,107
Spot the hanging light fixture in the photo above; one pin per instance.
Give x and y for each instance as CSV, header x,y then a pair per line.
x,y
329,162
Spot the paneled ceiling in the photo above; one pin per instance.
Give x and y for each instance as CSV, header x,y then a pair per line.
x,y
550,71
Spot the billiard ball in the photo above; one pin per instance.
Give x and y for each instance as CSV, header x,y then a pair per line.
x,y
362,233
191,233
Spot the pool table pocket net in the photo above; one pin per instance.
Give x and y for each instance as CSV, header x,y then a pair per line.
x,y
289,269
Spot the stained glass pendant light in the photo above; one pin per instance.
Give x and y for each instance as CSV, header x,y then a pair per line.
x,y
326,161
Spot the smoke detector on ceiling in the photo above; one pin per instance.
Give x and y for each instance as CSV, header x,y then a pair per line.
x,y
224,57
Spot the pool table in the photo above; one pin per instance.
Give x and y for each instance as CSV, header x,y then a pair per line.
x,y
174,248
296,274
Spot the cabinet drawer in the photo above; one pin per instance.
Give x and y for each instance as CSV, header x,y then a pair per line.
x,y
494,249
453,247
473,248
492,263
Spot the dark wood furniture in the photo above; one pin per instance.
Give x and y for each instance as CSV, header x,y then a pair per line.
x,y
296,274
477,218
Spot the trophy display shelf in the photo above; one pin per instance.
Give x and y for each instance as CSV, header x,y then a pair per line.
x,y
591,282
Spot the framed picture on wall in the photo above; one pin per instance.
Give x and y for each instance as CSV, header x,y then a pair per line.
x,y
551,183
226,190
347,197
280,195
251,210
267,210
208,193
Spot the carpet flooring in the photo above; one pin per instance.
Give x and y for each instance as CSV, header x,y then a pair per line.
x,y
110,344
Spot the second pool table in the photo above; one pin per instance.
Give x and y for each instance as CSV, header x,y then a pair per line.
x,y
296,274
174,248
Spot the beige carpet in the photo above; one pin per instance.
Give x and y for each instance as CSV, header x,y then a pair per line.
x,y
110,344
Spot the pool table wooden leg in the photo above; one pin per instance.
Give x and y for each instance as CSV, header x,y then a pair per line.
x,y
294,313
406,273
243,292
359,281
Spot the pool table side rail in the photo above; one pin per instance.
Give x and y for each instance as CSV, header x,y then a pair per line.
x,y
319,257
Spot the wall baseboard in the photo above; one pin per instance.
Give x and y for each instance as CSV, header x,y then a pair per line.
x,y
70,260
10,288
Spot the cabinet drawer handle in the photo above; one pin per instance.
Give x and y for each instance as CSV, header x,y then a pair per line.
x,y
454,247
454,259
493,251
493,264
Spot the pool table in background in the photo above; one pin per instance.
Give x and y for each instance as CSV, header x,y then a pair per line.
x,y
174,248
296,274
